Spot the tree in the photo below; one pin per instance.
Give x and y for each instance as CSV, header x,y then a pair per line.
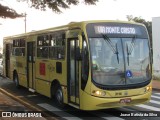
x,y
6,12
55,5
148,24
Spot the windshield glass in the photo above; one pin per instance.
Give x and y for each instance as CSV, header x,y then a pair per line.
x,y
120,61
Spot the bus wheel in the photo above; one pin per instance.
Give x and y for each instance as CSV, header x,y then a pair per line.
x,y
16,81
59,97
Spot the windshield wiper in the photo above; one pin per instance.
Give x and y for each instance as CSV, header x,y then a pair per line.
x,y
127,54
129,51
115,50
117,53
132,45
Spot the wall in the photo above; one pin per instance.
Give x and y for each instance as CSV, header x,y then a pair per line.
x,y
156,46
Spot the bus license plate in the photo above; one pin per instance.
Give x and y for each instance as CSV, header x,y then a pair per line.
x,y
126,100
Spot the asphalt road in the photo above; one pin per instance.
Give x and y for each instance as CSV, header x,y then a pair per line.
x,y
148,111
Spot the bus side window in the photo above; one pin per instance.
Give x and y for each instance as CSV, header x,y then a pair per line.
x,y
18,47
85,65
43,43
57,48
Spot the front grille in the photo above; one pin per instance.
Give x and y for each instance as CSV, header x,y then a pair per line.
x,y
116,103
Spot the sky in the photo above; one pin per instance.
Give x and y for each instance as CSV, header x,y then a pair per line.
x,y
103,10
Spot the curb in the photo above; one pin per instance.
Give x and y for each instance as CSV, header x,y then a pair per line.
x,y
156,89
28,105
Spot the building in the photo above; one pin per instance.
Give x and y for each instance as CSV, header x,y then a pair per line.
x,y
156,46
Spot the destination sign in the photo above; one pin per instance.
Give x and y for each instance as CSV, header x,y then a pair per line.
x,y
114,30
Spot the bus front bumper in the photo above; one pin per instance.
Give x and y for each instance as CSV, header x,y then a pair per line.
x,y
89,102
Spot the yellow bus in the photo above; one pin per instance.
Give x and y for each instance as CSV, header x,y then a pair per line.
x,y
89,65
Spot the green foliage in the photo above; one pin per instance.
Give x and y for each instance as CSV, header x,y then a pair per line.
x,y
148,24
55,5
156,78
1,55
6,12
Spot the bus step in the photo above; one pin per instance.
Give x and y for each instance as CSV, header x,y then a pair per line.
x,y
73,105
32,90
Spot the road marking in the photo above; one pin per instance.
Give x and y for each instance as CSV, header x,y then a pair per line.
x,y
31,95
148,107
153,101
125,109
58,111
157,93
153,96
103,115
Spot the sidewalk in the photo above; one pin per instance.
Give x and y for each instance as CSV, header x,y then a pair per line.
x,y
156,85
7,104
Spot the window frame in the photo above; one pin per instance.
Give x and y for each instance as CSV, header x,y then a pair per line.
x,y
57,37
19,46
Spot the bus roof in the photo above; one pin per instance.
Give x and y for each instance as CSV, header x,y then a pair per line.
x,y
71,25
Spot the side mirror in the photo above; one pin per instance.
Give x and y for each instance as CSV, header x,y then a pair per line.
x,y
78,54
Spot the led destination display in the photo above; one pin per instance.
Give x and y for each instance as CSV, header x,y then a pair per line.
x,y
116,30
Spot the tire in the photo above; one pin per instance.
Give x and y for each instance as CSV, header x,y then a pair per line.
x,y
59,97
16,81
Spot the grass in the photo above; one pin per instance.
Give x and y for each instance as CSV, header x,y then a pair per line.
x,y
156,78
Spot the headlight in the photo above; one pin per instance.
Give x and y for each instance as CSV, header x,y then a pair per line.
x,y
148,88
99,93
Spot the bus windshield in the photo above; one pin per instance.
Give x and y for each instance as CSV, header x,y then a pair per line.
x,y
120,61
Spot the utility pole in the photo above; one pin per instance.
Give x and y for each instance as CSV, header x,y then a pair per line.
x,y
0,47
25,20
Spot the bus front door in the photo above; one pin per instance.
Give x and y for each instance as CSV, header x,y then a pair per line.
x,y
7,60
73,72
31,65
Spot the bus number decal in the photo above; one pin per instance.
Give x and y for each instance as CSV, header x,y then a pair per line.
x,y
42,69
